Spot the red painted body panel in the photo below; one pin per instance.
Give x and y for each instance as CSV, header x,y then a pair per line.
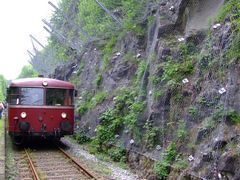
x,y
50,116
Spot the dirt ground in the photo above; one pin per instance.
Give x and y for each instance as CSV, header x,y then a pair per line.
x,y
2,149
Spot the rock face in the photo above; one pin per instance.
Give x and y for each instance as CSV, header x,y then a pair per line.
x,y
198,14
199,115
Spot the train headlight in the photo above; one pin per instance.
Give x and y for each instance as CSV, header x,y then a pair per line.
x,y
44,83
23,115
64,115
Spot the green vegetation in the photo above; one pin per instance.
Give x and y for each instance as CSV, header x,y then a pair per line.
x,y
205,102
117,154
193,111
125,113
133,10
90,101
97,22
98,80
83,108
187,49
81,67
110,123
131,58
231,11
157,94
181,130
85,102
140,71
1,128
162,168
217,116
135,109
181,163
93,19
178,98
81,138
58,50
99,98
175,71
3,87
151,133
27,72
234,52
233,116
107,51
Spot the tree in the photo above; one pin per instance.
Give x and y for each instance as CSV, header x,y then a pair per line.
x,y
27,72
3,86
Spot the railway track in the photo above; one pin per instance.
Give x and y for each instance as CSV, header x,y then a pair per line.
x,y
50,165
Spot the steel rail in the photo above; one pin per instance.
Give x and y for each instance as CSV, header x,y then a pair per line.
x,y
32,166
76,163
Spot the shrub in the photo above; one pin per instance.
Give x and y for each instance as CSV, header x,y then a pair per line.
x,y
98,80
162,168
110,122
117,154
99,98
89,102
231,11
83,108
81,138
132,116
176,71
181,163
108,51
125,112
234,49
140,71
233,116
193,111
182,130
133,10
150,134
157,94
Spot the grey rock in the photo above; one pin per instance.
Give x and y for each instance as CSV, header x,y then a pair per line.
x,y
219,144
202,134
207,157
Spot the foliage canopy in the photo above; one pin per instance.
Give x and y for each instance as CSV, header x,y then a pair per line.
x,y
27,72
3,86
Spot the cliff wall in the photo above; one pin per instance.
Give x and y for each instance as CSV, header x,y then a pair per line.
x,y
174,88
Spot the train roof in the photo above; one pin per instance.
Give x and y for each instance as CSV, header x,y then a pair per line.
x,y
41,82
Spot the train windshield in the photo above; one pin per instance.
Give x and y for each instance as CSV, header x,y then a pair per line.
x,y
59,97
25,96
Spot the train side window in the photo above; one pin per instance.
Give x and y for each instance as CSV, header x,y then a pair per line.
x,y
55,97
69,98
13,99
13,96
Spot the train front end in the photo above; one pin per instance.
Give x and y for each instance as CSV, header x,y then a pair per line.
x,y
40,107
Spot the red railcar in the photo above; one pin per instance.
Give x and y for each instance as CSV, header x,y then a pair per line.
x,y
40,107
